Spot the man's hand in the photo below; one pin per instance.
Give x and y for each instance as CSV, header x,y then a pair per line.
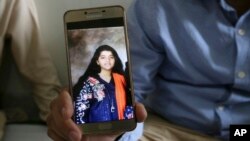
x,y
62,128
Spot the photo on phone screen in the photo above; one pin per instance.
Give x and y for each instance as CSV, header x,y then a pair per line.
x,y
99,68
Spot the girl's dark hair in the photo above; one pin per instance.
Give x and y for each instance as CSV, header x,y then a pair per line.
x,y
93,68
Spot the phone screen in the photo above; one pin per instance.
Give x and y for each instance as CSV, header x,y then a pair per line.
x,y
99,70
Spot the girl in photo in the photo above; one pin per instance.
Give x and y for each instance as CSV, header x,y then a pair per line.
x,y
100,94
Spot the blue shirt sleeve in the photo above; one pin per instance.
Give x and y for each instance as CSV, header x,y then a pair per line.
x,y
144,52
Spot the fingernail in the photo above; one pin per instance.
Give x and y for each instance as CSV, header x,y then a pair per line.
x,y
64,113
73,136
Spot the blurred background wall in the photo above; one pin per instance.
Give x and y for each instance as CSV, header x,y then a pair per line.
x,y
51,13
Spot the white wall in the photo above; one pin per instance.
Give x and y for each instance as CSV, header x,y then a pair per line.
x,y
51,22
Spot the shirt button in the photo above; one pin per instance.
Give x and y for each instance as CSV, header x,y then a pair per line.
x,y
220,108
241,32
241,74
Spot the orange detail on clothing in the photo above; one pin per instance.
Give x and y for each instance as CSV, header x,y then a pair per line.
x,y
120,94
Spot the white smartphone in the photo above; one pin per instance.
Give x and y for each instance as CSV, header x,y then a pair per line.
x,y
99,69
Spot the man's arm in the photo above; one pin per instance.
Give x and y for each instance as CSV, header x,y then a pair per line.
x,y
30,55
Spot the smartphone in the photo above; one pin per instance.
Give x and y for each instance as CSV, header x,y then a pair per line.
x,y
99,69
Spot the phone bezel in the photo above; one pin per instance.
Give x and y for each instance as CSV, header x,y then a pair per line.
x,y
96,14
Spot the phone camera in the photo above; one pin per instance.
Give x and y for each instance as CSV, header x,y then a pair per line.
x,y
103,11
85,13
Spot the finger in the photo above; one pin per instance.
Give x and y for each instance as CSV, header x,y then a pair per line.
x,y
64,129
59,121
65,104
141,113
53,135
62,106
55,131
51,132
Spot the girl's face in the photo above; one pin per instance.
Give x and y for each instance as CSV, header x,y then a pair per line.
x,y
106,60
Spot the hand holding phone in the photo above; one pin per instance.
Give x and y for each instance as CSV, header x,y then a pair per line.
x,y
99,70
62,127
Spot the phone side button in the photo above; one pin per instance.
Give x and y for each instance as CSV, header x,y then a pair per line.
x,y
104,126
